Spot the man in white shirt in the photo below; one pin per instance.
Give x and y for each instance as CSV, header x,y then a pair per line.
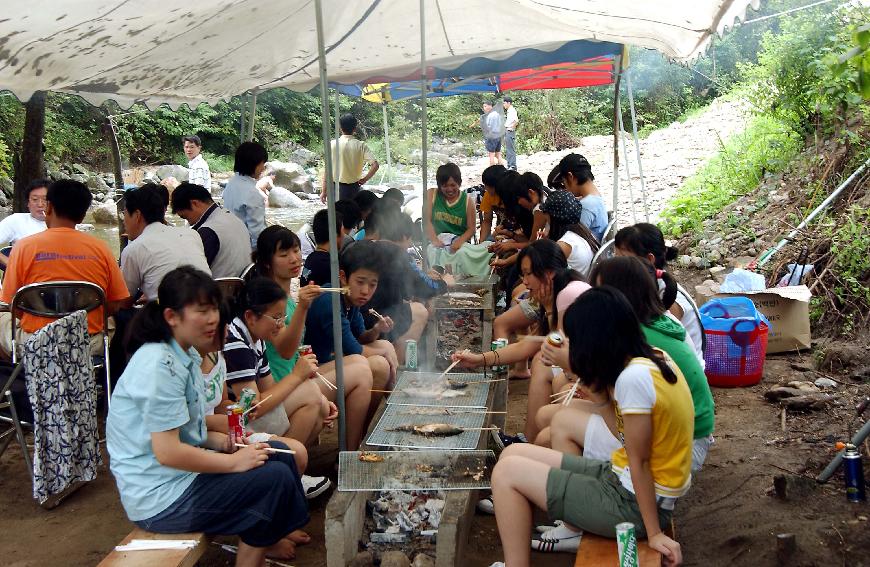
x,y
511,122
155,249
198,172
18,225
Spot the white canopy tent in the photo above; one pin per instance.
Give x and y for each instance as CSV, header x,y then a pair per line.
x,y
178,52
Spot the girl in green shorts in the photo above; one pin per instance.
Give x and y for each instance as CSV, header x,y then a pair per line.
x,y
654,422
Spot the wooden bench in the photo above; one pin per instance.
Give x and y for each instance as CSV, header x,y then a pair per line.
x,y
601,551
161,557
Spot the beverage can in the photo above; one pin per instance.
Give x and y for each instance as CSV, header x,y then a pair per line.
x,y
411,354
234,423
496,345
305,350
554,340
626,542
853,470
246,400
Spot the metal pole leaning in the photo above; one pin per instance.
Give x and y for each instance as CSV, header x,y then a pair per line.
x,y
627,170
617,68
387,139
424,153
636,147
252,118
333,245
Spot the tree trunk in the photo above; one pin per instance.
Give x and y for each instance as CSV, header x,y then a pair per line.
x,y
30,166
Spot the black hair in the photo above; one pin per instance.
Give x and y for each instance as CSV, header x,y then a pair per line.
x,y
193,139
395,194
348,123
187,192
546,256
273,238
510,187
248,156
362,255
558,230
492,174
578,166
320,225
163,191
365,200
257,295
446,172
605,334
36,184
645,238
350,213
635,278
147,200
69,199
183,286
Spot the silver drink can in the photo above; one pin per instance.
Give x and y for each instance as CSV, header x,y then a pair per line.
x,y
626,542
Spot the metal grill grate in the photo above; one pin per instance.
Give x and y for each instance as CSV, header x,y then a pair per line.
x,y
416,470
412,389
395,416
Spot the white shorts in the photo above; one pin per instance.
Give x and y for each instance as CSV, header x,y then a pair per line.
x,y
599,443
699,451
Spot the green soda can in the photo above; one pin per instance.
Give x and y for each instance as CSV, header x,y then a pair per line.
x,y
411,354
626,542
246,400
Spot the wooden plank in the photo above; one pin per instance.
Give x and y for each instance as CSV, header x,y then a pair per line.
x,y
598,551
162,557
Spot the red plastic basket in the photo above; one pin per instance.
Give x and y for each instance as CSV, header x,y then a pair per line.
x,y
736,357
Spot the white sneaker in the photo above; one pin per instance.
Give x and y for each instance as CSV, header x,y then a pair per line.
x,y
497,564
545,528
314,486
486,505
558,539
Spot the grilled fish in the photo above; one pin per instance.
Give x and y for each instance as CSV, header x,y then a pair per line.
x,y
431,429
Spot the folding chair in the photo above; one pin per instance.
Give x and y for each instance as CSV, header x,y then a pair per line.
x,y
246,271
607,250
59,299
6,250
609,232
8,404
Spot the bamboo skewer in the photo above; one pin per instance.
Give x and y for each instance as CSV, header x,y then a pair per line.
x,y
255,405
531,338
336,289
484,381
381,391
378,315
571,393
323,379
270,449
455,362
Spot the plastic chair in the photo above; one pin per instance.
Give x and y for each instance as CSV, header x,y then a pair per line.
x,y
59,299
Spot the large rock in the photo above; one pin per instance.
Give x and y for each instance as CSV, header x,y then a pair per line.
x,y
281,197
302,185
7,186
97,184
177,171
303,156
106,213
394,559
80,169
285,172
416,157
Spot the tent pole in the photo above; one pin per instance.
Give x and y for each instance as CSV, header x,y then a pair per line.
x,y
617,67
337,156
387,139
243,112
253,116
637,147
333,245
425,141
627,170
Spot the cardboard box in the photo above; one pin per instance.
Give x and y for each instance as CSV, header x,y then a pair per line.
x,y
787,309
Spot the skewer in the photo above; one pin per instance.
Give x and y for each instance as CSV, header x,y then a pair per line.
x,y
336,289
255,405
323,379
531,338
381,391
455,362
485,381
270,449
376,314
571,392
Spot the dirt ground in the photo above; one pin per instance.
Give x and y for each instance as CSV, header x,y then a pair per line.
x,y
730,517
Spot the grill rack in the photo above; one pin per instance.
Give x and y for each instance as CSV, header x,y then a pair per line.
x,y
396,415
475,397
399,471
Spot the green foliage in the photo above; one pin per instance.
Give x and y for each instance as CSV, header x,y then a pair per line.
x,y
5,160
765,146
850,241
855,63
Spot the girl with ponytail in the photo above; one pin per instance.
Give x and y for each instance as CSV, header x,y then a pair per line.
x,y
175,476
647,241
646,474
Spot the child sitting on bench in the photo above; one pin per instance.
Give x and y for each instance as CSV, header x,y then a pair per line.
x,y
157,436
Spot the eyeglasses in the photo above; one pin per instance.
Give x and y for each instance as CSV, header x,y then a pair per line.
x,y
277,320
38,200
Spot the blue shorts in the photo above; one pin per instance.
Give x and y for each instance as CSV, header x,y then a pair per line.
x,y
261,505
492,144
